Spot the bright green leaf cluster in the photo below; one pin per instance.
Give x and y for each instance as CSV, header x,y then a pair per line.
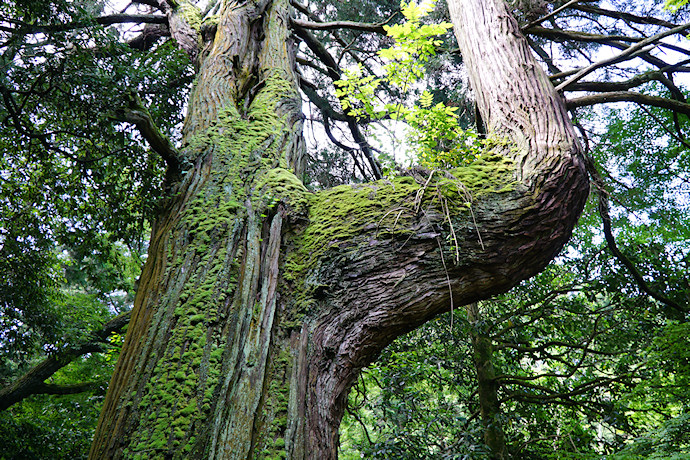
x,y
415,43
357,94
675,5
435,135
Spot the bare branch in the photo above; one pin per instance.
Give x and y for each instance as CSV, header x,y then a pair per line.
x,y
149,35
615,41
628,96
608,86
549,16
138,115
362,26
153,3
333,69
611,242
32,382
52,389
27,29
639,46
323,105
625,16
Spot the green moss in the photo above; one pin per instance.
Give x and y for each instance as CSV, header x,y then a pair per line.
x,y
206,224
189,409
280,184
196,319
248,174
280,422
191,14
490,173
216,355
338,215
342,216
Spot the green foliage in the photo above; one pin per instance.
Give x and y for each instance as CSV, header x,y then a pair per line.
x,y
415,403
47,427
588,366
415,43
76,188
75,192
675,5
439,141
668,442
434,131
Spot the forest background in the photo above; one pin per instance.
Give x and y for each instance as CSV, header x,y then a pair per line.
x,y
589,358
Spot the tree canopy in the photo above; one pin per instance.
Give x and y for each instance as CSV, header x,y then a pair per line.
x,y
589,358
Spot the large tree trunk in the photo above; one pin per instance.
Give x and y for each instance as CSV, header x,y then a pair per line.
x,y
259,302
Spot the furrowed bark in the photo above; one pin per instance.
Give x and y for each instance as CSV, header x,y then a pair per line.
x,y
192,380
260,303
376,288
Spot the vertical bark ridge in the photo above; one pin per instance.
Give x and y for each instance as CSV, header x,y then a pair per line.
x,y
513,93
229,69
193,373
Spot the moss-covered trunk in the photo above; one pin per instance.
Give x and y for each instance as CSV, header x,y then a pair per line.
x,y
205,368
259,302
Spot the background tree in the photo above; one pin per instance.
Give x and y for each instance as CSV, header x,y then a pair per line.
x,y
217,217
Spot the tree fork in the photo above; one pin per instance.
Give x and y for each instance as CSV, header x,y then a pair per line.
x,y
260,303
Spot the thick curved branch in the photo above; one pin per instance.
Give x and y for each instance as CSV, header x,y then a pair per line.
x,y
395,268
131,18
637,80
627,96
148,37
578,36
152,3
32,382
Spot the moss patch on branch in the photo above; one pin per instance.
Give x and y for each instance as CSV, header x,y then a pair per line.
x,y
343,216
